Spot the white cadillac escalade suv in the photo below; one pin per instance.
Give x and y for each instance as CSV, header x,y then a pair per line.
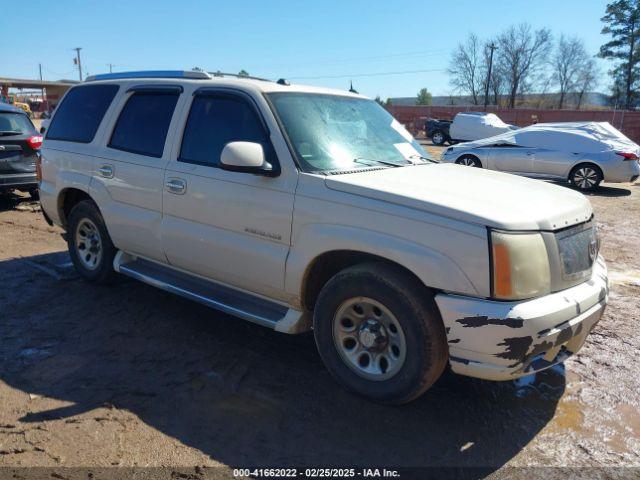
x,y
304,208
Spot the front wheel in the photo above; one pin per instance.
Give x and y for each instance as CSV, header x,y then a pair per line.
x,y
469,161
90,246
438,138
379,333
586,177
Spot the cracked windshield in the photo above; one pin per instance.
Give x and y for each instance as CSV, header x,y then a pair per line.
x,y
333,133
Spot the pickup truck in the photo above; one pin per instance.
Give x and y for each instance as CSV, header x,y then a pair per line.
x,y
438,131
466,126
303,208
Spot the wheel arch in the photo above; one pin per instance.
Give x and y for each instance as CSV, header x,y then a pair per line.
x,y
326,265
584,162
322,250
67,199
473,155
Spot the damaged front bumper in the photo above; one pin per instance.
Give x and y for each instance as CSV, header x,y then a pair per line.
x,y
505,340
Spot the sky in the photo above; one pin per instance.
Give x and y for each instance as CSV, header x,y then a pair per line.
x,y
387,48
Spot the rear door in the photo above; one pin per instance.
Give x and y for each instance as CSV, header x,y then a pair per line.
x,y
19,141
129,169
233,227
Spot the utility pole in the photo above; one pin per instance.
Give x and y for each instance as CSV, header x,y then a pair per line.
x,y
111,65
41,88
78,62
492,47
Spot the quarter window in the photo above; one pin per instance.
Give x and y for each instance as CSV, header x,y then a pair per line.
x,y
143,124
79,115
217,120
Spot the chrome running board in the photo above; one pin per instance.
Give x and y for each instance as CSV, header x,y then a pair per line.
x,y
234,302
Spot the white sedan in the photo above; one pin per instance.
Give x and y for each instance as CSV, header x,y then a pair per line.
x,y
585,154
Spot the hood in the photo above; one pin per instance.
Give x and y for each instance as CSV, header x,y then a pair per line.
x,y
475,195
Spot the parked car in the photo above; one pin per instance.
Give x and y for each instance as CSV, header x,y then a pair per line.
x,y
19,148
583,153
401,265
466,126
438,131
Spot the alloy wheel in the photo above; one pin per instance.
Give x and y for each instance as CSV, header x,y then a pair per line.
x,y
585,177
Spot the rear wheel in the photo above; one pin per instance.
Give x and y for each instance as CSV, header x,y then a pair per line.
x,y
438,138
379,333
90,247
586,176
469,161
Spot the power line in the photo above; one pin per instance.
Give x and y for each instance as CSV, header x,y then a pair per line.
x,y
373,74
355,59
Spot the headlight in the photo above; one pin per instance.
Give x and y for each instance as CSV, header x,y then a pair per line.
x,y
520,266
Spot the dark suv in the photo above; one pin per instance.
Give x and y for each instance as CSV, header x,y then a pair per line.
x,y
19,148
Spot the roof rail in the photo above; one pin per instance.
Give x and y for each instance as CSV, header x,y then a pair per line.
x,y
193,74
237,75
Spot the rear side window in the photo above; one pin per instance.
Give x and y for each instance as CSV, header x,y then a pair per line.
x,y
143,123
217,120
79,115
15,124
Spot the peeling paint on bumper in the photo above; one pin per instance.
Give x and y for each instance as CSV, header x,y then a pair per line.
x,y
505,340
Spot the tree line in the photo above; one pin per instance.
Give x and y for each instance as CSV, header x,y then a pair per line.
x,y
526,60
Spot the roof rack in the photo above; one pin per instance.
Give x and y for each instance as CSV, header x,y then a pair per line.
x,y
193,74
237,75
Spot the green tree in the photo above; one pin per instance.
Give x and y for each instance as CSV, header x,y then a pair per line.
x,y
243,73
622,23
424,97
379,100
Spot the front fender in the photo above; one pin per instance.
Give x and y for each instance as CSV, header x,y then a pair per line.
x,y
433,268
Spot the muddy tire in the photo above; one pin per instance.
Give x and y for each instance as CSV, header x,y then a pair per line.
x,y
379,333
89,243
586,176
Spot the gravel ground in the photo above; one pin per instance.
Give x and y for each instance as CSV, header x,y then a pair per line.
x,y
128,376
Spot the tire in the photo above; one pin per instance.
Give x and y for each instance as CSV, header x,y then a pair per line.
x,y
586,176
406,330
469,161
438,138
86,222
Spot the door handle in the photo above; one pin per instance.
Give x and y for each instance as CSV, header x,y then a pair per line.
x,y
176,185
106,171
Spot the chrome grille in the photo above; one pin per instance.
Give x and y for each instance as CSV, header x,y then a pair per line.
x,y
578,247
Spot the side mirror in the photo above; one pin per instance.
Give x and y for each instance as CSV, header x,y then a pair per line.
x,y
245,157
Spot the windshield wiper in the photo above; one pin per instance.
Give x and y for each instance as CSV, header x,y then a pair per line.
x,y
421,157
8,133
380,162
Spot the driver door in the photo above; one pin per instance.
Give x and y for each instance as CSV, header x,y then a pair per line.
x,y
232,227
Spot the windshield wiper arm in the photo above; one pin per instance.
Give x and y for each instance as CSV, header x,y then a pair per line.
x,y
422,157
7,133
381,162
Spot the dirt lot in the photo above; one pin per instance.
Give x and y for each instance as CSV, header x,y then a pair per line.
x,y
131,376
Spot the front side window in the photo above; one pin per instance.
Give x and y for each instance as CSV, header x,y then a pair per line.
x,y
143,124
333,132
214,121
79,115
